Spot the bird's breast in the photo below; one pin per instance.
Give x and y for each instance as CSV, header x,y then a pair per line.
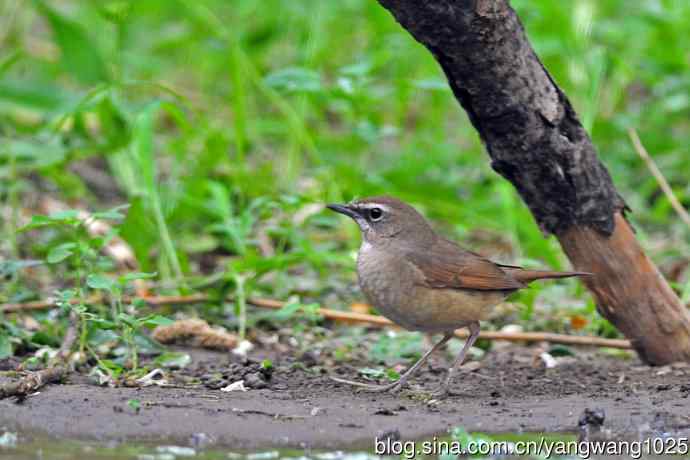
x,y
381,277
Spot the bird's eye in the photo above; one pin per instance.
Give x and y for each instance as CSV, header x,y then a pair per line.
x,y
375,214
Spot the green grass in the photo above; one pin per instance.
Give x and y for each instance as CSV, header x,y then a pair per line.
x,y
219,123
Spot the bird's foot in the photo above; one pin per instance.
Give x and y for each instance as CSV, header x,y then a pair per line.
x,y
393,387
443,392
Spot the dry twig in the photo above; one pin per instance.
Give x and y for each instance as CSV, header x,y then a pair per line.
x,y
58,367
365,319
661,180
32,382
380,321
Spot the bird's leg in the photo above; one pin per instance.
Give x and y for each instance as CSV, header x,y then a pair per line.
x,y
398,384
474,333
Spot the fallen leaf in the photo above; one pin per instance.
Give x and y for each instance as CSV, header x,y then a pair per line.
x,y
578,322
235,386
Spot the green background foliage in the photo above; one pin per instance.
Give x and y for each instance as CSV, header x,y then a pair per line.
x,y
221,124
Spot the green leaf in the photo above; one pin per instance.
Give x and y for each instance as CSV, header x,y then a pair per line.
x,y
80,56
173,359
108,215
134,404
392,374
33,363
36,222
104,324
110,367
99,336
43,338
95,281
146,345
136,276
34,94
359,69
143,161
6,62
287,311
116,12
560,350
129,320
311,311
156,320
143,153
60,253
294,80
111,214
5,345
67,217
139,231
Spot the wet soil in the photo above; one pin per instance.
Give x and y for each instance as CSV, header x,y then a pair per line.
x,y
297,405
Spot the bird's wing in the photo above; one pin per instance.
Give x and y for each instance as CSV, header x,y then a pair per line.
x,y
447,265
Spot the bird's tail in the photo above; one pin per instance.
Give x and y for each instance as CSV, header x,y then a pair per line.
x,y
527,276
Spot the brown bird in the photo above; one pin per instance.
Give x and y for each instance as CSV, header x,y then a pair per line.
x,y
424,282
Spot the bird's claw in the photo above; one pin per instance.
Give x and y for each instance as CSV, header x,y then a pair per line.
x,y
394,387
443,392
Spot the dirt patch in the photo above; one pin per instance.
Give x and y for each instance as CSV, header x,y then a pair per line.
x,y
297,405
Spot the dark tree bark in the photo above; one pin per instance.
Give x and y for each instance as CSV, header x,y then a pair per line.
x,y
536,141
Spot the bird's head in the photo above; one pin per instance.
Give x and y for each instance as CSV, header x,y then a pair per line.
x,y
386,220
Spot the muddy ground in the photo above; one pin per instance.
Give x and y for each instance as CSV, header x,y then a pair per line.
x,y
301,407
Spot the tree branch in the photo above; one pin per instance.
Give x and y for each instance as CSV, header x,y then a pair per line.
x,y
536,141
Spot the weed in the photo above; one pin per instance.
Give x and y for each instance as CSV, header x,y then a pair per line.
x,y
79,252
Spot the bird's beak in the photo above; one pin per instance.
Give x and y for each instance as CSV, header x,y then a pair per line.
x,y
343,209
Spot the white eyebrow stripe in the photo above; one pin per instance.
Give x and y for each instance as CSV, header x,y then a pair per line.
x,y
371,205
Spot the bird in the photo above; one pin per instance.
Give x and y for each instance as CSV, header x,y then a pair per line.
x,y
424,282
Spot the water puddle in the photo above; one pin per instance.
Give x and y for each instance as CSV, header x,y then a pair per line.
x,y
18,446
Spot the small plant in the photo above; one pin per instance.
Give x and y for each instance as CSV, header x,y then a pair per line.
x,y
235,226
294,309
134,404
78,253
122,317
391,347
6,347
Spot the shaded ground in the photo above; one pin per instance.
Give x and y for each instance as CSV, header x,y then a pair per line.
x,y
301,408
